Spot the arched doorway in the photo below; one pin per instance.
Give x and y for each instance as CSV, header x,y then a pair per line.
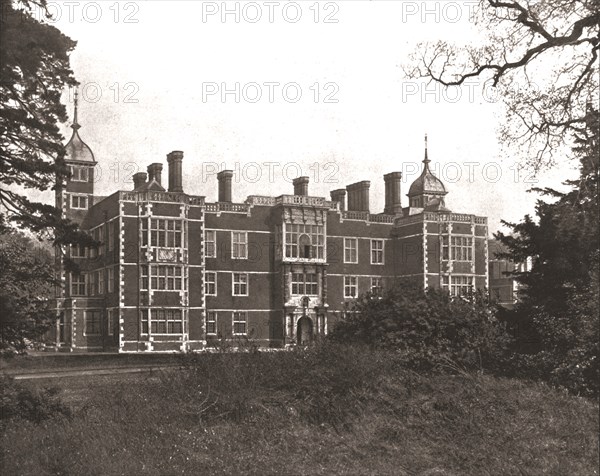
x,y
304,331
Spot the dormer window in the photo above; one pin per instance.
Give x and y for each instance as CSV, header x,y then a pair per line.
x,y
78,173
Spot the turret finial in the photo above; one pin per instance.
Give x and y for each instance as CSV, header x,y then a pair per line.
x,y
426,159
75,124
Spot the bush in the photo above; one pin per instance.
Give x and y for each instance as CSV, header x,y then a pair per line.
x,y
431,330
18,401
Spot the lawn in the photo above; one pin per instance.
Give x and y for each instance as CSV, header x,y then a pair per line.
x,y
332,410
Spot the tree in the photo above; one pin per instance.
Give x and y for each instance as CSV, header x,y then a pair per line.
x,y
541,55
26,290
430,328
35,69
557,316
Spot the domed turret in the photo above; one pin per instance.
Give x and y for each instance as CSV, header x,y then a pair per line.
x,y
427,188
76,149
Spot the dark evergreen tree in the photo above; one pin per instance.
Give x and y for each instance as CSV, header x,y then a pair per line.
x,y
556,319
34,70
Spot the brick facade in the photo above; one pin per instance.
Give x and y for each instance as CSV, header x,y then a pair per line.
x,y
175,273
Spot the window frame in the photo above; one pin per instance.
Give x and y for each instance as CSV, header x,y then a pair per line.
x,y
376,290
101,282
81,282
110,241
110,322
212,241
167,319
87,321
235,321
240,283
349,248
207,283
348,286
211,321
305,287
374,251
76,177
110,279
235,245
79,197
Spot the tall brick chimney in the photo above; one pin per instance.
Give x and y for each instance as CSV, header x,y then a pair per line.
x,y
175,181
155,173
301,186
358,196
224,177
339,196
392,193
139,179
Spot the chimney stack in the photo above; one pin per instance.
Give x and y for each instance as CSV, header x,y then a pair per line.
x,y
154,173
224,177
175,182
358,196
340,197
139,179
301,186
392,193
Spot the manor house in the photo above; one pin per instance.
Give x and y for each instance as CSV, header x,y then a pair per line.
x,y
176,272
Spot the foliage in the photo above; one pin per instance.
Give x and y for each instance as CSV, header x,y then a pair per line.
x,y
430,329
36,405
556,320
26,289
541,55
329,410
34,66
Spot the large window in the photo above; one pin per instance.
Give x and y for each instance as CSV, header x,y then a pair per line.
x,y
210,244
304,241
458,285
166,321
350,286
240,284
77,284
78,173
162,278
304,284
377,251
210,283
459,248
211,323
163,233
79,202
239,244
240,323
350,250
93,323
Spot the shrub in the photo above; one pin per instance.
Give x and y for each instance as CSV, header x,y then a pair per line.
x,y
19,401
429,329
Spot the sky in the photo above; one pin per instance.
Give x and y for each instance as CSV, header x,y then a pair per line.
x,y
274,90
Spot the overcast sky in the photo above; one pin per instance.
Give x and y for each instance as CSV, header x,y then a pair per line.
x,y
153,74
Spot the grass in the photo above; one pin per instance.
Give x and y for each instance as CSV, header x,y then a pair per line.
x,y
332,410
